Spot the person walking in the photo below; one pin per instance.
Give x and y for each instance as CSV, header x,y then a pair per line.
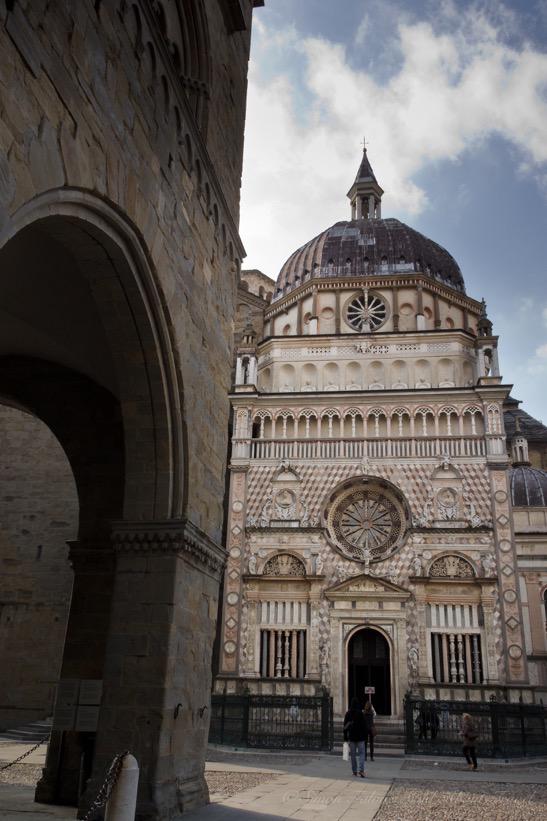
x,y
355,732
369,714
470,735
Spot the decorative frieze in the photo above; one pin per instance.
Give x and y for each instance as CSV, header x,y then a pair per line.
x,y
179,536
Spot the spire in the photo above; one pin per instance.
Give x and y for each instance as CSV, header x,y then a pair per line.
x,y
365,194
484,324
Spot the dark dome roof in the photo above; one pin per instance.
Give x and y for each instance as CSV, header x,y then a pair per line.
x,y
528,486
368,246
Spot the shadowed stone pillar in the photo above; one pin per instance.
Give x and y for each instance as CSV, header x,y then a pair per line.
x,y
83,658
157,676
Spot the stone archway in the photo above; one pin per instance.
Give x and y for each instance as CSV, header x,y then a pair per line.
x,y
85,346
369,665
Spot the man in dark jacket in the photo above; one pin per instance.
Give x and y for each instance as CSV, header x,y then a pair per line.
x,y
355,732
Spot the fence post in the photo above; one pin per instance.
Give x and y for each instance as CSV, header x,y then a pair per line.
x,y
123,800
495,726
222,710
246,714
522,730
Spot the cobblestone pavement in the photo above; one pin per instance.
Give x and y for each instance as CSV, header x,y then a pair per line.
x,y
454,801
225,784
275,786
485,766
21,774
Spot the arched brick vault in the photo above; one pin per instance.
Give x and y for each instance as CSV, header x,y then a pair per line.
x,y
112,269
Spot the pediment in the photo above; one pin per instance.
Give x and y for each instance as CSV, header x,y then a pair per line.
x,y
366,586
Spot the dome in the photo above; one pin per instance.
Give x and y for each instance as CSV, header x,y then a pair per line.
x,y
368,247
528,486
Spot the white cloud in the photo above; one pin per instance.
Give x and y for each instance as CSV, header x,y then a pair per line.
x,y
304,127
541,352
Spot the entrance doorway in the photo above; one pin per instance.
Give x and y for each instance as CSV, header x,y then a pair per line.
x,y
368,666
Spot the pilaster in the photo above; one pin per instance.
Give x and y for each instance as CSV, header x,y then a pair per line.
x,y
513,632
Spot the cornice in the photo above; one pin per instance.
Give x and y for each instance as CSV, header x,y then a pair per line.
x,y
171,537
390,281
383,337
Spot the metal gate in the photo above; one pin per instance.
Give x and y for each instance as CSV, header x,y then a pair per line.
x,y
273,722
504,730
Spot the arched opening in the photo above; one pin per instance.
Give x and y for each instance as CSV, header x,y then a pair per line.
x,y
39,518
369,666
85,348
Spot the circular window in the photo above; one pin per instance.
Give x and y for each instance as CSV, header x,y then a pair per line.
x,y
367,312
367,521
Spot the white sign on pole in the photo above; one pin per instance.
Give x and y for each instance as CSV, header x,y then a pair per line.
x,y
370,691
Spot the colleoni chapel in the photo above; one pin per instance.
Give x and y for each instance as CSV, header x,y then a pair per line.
x,y
386,527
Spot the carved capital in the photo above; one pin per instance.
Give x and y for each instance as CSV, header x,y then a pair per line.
x,y
174,536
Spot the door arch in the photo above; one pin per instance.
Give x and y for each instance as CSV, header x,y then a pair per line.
x,y
369,664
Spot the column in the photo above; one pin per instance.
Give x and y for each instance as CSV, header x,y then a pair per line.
x,y
371,206
420,319
83,658
337,312
166,590
489,652
452,659
515,645
299,326
461,668
239,372
395,304
423,672
313,645
436,311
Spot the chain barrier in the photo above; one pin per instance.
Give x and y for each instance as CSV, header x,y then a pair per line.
x,y
107,786
28,752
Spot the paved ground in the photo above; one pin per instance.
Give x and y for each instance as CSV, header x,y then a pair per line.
x,y
273,787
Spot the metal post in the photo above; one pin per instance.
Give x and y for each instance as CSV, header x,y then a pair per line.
x,y
123,800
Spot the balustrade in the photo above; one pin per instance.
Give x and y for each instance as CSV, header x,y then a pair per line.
x,y
375,448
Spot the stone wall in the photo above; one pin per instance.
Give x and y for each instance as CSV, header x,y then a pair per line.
x,y
39,514
120,153
92,106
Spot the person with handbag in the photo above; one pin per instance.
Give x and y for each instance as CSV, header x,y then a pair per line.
x,y
355,734
369,715
470,735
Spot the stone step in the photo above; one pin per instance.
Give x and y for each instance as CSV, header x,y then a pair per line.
x,y
28,733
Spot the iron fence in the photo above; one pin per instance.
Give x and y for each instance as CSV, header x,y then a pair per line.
x,y
504,730
272,722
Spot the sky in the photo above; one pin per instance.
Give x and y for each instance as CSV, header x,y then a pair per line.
x,y
451,98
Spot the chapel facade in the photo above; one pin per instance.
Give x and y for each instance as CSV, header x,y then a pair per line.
x,y
382,530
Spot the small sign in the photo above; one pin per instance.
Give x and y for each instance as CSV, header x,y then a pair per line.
x,y
370,691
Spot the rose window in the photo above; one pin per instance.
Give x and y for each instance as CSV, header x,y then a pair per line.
x,y
367,523
367,312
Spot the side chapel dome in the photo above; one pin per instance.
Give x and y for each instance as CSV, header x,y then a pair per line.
x,y
528,486
368,244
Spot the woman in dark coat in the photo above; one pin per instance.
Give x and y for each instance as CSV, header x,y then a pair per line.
x,y
355,731
369,721
470,735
